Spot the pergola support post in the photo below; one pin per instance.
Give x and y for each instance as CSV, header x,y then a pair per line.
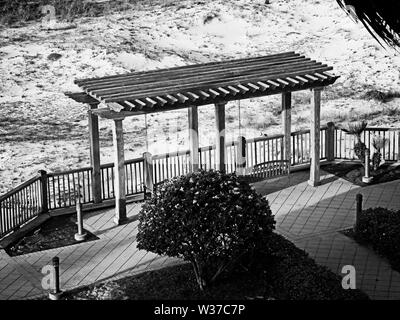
x,y
193,138
94,142
287,124
315,135
119,172
220,132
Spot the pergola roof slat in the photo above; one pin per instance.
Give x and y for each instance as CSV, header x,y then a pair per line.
x,y
215,72
200,84
243,88
213,93
275,84
285,83
172,98
309,76
161,100
302,79
204,94
224,91
233,90
263,85
213,83
292,80
191,68
253,86
195,77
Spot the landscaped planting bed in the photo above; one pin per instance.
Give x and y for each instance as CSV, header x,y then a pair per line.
x,y
54,233
281,272
353,172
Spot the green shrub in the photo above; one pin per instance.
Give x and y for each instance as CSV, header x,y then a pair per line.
x,y
380,227
12,11
208,218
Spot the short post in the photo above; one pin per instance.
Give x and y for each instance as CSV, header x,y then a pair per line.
x,y
56,293
359,199
148,173
44,196
81,235
366,178
241,156
330,141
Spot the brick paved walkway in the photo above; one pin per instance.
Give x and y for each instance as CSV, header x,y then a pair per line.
x,y
310,217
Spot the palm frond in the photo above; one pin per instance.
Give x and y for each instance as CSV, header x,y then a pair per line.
x,y
378,142
380,17
356,128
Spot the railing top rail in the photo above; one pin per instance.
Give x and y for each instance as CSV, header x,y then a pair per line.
x,y
20,187
61,173
170,154
339,127
135,160
265,138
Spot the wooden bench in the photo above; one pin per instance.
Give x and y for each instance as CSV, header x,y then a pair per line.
x,y
268,169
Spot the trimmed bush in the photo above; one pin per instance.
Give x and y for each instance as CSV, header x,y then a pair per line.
x,y
380,228
208,218
12,11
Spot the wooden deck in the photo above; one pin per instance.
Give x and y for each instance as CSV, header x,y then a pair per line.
x,y
310,217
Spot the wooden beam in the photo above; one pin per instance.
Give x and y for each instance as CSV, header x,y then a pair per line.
x,y
287,124
220,136
110,114
95,154
119,172
193,138
82,97
315,133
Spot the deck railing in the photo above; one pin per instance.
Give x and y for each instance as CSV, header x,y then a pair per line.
x,y
345,141
21,205
49,191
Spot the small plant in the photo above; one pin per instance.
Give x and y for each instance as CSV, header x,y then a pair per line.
x,y
209,218
378,143
356,129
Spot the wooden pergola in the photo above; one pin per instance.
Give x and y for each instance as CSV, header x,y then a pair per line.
x,y
120,96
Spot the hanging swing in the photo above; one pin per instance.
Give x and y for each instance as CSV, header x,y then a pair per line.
x,y
266,169
145,132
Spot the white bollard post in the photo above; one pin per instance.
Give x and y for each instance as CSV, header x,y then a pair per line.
x,y
366,178
81,235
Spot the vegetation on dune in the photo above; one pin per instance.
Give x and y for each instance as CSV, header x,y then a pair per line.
x,y
380,17
25,10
